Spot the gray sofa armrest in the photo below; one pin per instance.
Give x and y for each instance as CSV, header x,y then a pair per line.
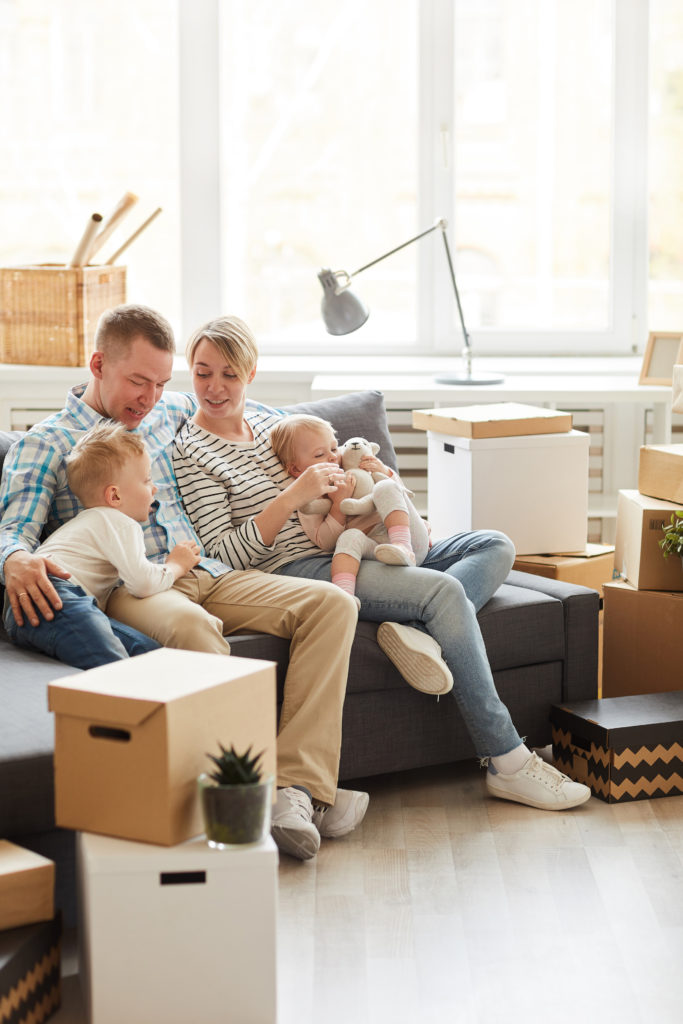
x,y
581,623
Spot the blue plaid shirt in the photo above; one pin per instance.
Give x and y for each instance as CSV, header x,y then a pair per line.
x,y
35,496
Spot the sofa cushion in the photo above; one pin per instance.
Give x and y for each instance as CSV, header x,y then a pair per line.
x,y
359,414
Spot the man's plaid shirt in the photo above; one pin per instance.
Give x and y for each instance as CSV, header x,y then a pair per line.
x,y
35,496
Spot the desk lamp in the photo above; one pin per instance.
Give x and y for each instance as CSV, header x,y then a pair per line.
x,y
343,312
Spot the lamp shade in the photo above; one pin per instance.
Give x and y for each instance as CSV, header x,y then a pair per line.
x,y
342,311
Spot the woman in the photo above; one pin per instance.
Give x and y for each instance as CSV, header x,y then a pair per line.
x,y
243,506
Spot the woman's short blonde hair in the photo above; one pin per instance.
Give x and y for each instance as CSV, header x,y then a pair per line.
x,y
283,435
97,458
233,339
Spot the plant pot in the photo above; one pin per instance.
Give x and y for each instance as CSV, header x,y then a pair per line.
x,y
235,815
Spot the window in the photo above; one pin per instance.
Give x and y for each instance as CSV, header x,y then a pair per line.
x,y
89,112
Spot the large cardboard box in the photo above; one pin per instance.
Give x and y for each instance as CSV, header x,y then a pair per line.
x,y
638,557
592,567
132,737
27,886
534,488
30,972
625,748
660,472
176,934
642,641
500,419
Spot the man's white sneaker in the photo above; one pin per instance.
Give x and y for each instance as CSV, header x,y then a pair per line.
x,y
538,784
417,656
292,825
348,811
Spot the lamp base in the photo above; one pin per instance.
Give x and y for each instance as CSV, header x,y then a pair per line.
x,y
458,379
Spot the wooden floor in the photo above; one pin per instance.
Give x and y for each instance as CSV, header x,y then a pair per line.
x,y
447,906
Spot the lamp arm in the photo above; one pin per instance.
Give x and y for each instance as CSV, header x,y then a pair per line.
x,y
439,224
468,344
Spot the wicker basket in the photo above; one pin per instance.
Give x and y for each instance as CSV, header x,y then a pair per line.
x,y
49,313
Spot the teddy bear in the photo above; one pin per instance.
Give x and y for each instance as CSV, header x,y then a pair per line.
x,y
362,501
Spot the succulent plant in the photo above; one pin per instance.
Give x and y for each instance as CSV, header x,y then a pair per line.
x,y
233,769
672,544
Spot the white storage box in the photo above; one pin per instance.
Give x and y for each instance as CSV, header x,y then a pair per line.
x,y
534,488
177,934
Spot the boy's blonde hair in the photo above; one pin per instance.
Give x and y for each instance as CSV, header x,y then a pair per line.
x,y
98,456
283,434
233,339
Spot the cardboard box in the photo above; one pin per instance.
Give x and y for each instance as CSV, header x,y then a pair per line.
x,y
177,934
501,419
49,312
27,886
591,567
626,748
660,472
30,972
638,557
642,641
132,737
533,488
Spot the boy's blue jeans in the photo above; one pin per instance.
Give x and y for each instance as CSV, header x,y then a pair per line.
x,y
80,634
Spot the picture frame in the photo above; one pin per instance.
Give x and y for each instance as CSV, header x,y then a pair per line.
x,y
663,351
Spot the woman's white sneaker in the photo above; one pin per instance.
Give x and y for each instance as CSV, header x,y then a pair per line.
x,y
537,784
417,656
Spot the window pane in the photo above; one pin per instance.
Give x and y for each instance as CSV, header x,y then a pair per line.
x,y
665,166
319,162
533,127
89,112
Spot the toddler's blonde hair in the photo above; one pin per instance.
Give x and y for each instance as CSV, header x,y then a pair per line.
x,y
283,435
98,456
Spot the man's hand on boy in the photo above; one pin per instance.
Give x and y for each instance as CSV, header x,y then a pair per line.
x,y
28,586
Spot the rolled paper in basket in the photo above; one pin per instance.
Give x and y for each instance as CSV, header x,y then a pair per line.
x,y
126,203
113,259
79,257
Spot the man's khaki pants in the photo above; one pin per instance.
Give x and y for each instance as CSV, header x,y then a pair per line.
x,y
319,620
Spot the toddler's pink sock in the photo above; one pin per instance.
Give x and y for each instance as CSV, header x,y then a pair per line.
x,y
400,535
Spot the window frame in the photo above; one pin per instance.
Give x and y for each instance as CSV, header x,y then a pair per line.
x,y
626,332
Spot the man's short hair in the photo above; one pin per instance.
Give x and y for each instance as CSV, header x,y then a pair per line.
x,y
283,434
117,328
233,339
98,457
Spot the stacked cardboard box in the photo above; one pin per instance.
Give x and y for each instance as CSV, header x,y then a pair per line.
x,y
131,738
30,936
643,640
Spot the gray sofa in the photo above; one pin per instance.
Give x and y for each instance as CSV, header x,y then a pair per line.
x,y
541,637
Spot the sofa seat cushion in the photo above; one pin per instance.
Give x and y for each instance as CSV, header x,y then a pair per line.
x,y
26,739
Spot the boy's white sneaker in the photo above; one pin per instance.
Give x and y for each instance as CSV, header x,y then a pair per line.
x,y
342,817
292,825
537,784
417,656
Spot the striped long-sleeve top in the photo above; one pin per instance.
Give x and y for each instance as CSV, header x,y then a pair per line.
x,y
224,484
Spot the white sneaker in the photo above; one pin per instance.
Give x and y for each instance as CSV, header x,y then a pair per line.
x,y
348,811
292,825
417,656
394,554
538,784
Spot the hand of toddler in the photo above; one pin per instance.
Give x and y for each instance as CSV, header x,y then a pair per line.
x,y
185,554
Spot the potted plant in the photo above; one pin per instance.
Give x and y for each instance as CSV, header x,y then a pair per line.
x,y
672,544
236,799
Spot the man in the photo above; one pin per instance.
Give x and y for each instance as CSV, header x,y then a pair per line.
x,y
129,369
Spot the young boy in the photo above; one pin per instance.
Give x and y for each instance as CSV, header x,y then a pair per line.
x,y
109,472
394,533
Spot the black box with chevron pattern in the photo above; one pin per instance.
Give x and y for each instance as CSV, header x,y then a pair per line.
x,y
624,748
30,972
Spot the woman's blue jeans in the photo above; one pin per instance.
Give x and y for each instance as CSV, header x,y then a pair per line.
x,y
80,634
442,597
